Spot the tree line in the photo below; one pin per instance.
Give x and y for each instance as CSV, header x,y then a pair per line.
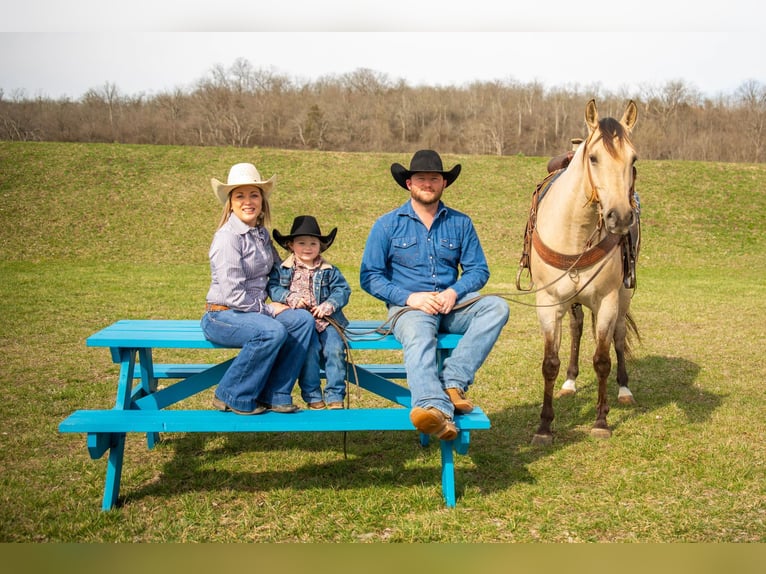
x,y
365,110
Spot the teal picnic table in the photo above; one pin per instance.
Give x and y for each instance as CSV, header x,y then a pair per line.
x,y
141,406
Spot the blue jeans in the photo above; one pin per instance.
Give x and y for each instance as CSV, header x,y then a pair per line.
x,y
480,323
272,355
330,352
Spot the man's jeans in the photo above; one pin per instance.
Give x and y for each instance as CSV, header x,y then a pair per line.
x,y
480,323
330,352
272,355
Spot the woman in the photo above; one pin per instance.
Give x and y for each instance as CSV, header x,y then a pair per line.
x,y
274,338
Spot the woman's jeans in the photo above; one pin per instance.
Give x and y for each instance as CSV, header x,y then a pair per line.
x,y
330,352
480,324
272,355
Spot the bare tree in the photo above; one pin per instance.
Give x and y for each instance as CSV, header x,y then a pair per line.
x,y
751,97
364,110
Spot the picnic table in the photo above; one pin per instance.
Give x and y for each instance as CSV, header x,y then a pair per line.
x,y
142,406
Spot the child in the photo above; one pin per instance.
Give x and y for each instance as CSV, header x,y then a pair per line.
x,y
306,281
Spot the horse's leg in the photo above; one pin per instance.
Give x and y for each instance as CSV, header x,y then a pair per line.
x,y
624,396
602,364
606,318
576,316
551,363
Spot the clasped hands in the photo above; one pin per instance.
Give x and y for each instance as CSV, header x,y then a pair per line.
x,y
295,301
433,302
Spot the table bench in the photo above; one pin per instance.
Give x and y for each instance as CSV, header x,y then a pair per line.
x,y
142,406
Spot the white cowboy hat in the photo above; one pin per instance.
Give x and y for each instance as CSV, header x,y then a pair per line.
x,y
242,174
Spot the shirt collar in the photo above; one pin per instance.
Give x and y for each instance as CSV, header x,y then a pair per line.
x,y
291,260
409,211
239,227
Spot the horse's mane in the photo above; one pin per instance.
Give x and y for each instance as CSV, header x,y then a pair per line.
x,y
613,131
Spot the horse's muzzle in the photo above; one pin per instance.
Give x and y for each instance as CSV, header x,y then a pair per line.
x,y
619,223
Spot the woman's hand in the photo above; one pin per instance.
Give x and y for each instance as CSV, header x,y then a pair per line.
x,y
278,307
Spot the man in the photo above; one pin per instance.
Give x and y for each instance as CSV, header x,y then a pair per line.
x,y
413,261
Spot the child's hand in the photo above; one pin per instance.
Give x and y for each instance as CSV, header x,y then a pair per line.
x,y
323,310
296,301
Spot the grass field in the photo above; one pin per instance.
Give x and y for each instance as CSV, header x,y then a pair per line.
x,y
96,233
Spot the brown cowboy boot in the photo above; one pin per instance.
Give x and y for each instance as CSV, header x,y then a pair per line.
x,y
433,421
462,404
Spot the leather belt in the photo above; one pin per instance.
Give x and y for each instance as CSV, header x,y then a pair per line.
x,y
214,307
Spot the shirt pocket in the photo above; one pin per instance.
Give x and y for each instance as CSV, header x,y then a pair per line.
x,y
449,250
405,251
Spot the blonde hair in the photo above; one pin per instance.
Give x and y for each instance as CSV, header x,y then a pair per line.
x,y
264,218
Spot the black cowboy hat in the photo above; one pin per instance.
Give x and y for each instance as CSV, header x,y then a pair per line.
x,y
305,225
423,160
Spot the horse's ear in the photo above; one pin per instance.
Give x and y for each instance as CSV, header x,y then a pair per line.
x,y
630,116
591,115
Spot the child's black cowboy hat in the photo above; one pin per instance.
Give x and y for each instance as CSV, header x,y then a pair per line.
x,y
423,160
305,225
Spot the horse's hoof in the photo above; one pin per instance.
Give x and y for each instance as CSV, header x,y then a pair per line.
x,y
568,389
542,440
596,432
625,397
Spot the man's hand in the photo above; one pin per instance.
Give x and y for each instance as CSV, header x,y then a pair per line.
x,y
433,302
447,300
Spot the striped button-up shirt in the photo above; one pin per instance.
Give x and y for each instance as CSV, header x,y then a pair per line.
x,y
241,258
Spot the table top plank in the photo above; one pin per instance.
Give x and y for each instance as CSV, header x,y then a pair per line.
x,y
381,419
187,334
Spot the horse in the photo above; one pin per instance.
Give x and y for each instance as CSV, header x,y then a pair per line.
x,y
579,228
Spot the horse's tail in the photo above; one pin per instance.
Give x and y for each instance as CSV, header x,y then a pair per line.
x,y
632,332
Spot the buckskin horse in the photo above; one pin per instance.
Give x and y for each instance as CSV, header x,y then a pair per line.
x,y
578,253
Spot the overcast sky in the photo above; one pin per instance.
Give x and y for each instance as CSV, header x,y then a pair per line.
x,y
55,49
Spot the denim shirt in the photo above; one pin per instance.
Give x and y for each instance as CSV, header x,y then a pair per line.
x,y
329,285
402,256
241,258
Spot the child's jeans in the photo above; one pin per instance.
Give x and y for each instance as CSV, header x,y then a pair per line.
x,y
330,352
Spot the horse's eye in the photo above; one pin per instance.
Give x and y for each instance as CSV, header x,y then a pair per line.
x,y
593,159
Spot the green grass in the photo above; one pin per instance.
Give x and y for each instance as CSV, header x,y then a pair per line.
x,y
96,233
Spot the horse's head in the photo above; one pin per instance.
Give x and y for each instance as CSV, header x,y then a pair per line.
x,y
608,158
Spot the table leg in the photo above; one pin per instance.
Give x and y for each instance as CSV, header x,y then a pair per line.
x,y
149,386
448,473
114,472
